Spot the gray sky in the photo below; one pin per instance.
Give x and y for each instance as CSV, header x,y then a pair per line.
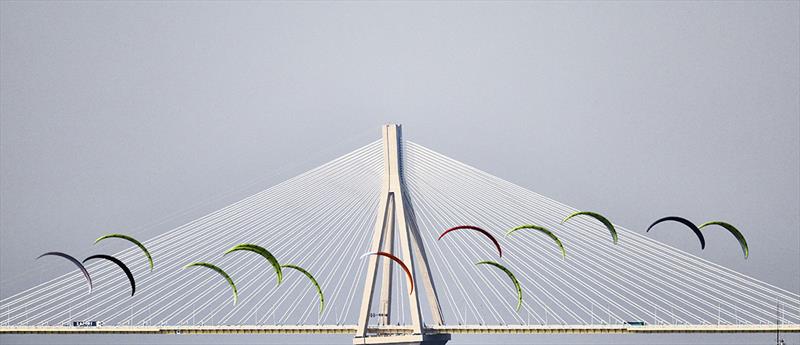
x,y
118,115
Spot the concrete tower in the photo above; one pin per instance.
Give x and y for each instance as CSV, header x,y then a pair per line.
x,y
396,216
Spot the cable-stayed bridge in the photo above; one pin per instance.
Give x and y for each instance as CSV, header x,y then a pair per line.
x,y
398,196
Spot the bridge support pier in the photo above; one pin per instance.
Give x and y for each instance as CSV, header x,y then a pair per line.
x,y
396,217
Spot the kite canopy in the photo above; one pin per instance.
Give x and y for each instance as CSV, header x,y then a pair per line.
x,y
543,230
221,272
313,281
600,218
399,262
733,230
683,221
471,227
260,251
74,261
120,264
510,275
132,240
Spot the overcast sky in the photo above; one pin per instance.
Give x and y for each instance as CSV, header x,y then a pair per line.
x,y
116,116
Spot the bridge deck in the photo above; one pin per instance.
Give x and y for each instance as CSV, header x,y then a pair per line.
x,y
351,329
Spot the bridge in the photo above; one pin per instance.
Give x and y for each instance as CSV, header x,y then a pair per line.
x,y
396,196
389,329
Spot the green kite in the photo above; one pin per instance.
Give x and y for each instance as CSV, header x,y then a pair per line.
x,y
736,233
510,275
132,240
599,217
260,251
221,272
313,281
544,230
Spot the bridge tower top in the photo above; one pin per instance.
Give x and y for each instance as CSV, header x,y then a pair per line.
x,y
395,212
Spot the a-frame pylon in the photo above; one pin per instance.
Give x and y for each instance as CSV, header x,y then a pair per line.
x,y
396,216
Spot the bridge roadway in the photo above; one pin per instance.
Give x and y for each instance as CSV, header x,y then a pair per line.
x,y
399,330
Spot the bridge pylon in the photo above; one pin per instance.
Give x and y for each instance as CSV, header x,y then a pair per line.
x,y
396,217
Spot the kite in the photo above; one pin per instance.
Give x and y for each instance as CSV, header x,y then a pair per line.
x,y
683,221
600,218
222,273
470,227
313,281
120,264
399,262
736,233
132,240
74,261
544,230
260,251
510,275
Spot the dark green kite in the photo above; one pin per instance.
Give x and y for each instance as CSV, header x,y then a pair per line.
x,y
600,218
733,230
545,231
510,275
132,240
313,281
260,251
221,272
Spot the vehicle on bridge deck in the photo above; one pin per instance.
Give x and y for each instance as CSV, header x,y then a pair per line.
x,y
635,323
91,323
